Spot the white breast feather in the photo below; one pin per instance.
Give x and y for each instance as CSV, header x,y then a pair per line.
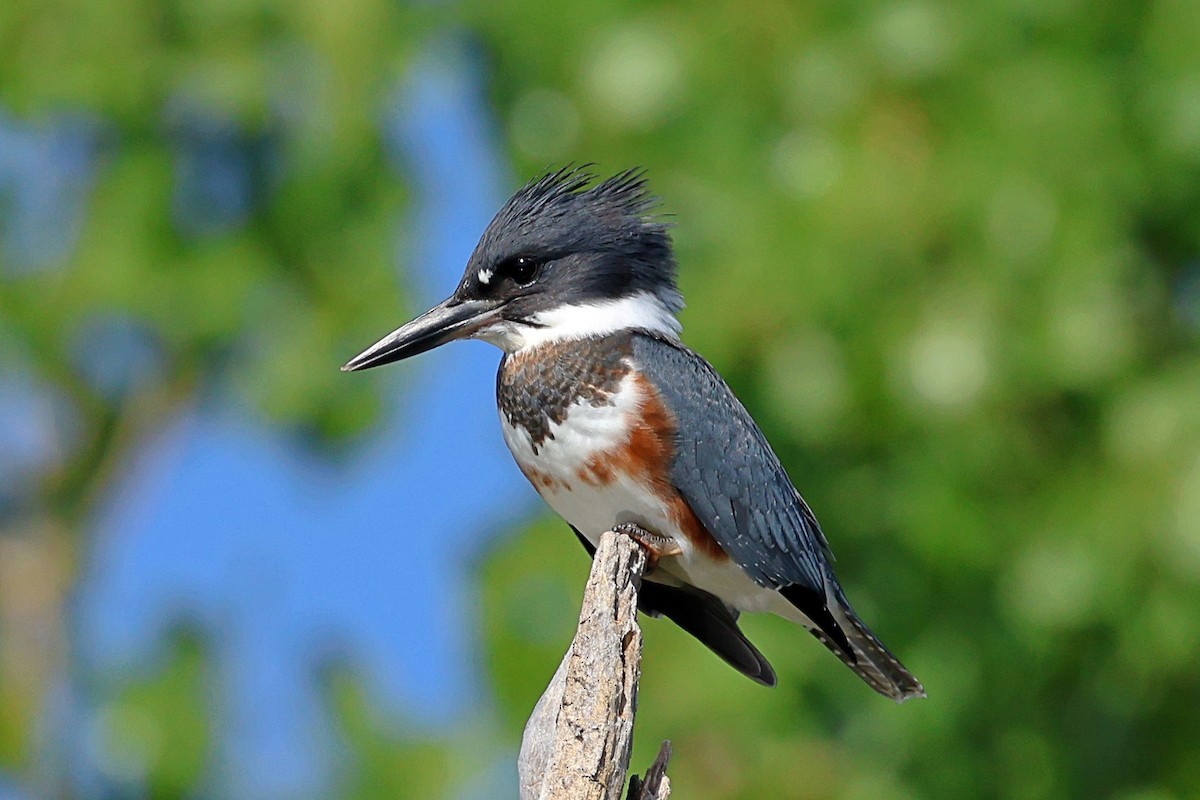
x,y
640,311
588,431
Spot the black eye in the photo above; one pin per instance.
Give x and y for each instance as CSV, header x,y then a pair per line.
x,y
521,269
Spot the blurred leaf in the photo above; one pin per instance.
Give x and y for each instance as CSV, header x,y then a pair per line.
x,y
938,253
158,730
382,761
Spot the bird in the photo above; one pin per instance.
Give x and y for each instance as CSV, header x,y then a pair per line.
x,y
619,425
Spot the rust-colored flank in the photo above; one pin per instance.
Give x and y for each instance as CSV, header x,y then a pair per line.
x,y
542,480
648,454
596,472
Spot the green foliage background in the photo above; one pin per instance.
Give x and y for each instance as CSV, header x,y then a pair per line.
x,y
947,253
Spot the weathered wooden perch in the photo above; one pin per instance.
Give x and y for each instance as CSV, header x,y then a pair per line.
x,y
656,785
577,743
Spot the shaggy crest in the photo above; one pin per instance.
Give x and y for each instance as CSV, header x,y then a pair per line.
x,y
566,213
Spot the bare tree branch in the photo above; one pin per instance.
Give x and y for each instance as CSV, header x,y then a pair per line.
x,y
578,741
656,785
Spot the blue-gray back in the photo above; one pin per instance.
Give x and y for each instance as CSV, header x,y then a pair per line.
x,y
729,474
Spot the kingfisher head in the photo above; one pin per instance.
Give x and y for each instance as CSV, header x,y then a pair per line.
x,y
565,258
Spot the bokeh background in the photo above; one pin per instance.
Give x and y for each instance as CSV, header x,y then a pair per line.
x,y
948,253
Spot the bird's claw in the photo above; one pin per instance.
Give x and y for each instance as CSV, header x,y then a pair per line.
x,y
656,545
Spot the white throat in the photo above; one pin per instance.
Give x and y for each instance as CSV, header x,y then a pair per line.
x,y
642,311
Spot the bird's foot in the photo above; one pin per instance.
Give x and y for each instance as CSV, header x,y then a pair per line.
x,y
655,544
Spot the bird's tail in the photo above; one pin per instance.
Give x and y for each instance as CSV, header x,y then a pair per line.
x,y
712,622
834,623
704,616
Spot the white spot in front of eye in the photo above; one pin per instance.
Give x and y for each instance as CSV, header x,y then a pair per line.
x,y
485,276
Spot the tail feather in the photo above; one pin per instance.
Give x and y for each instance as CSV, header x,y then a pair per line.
x,y
708,619
835,625
704,616
874,663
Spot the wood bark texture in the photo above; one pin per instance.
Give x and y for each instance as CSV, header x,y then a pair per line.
x,y
656,785
577,743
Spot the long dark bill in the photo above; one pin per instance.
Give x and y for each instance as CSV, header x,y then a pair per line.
x,y
449,320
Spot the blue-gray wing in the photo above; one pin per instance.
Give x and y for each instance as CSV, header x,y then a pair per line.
x,y
727,472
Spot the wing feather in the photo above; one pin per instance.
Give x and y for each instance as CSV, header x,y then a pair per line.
x,y
728,473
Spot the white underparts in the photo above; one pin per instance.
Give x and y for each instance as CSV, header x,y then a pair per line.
x,y
642,311
557,467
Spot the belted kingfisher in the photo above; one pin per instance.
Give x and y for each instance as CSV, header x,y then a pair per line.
x,y
615,422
